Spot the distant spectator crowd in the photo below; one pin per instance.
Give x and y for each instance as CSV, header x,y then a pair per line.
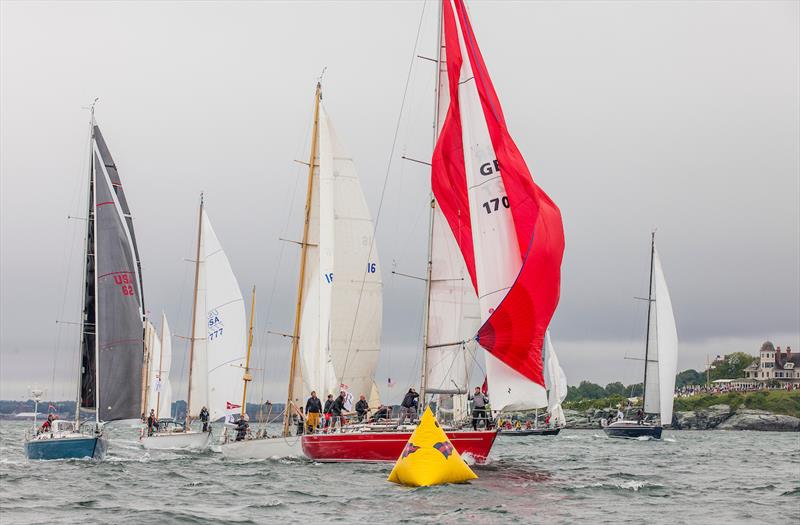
x,y
693,390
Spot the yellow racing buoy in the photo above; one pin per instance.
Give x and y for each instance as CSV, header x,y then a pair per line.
x,y
429,458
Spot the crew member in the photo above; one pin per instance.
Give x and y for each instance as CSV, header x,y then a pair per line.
x,y
362,407
479,402
313,410
408,408
204,418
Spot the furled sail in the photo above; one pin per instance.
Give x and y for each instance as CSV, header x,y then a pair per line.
x,y
220,330
662,350
350,256
509,231
113,340
556,381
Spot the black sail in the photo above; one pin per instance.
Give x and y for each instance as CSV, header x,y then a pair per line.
x,y
114,295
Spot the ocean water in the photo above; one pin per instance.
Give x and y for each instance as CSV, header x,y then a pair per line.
x,y
578,476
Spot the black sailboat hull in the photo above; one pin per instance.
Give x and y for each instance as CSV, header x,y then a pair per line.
x,y
633,431
531,432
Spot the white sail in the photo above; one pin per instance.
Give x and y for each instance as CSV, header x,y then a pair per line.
x,y
164,392
220,330
556,382
316,364
374,398
453,311
153,352
347,233
497,256
667,342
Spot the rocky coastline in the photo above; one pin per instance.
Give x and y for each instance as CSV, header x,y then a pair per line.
x,y
715,417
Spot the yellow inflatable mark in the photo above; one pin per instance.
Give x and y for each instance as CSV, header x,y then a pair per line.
x,y
429,458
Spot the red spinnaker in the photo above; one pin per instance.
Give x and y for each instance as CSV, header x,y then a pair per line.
x,y
514,333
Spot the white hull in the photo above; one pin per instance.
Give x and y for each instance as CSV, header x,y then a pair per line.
x,y
195,441
266,448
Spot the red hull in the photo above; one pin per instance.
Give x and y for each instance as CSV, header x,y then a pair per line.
x,y
387,446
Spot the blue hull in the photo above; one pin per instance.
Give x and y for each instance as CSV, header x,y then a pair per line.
x,y
67,448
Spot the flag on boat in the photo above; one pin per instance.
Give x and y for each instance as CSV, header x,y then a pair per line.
x,y
391,383
348,398
509,231
231,411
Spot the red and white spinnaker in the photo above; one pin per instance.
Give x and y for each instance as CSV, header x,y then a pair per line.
x,y
509,231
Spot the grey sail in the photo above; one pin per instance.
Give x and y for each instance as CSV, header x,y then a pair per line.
x,y
113,351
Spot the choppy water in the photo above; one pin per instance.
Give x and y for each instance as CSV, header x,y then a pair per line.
x,y
690,477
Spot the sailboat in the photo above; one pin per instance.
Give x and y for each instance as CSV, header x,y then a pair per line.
x,y
157,391
217,343
556,383
112,321
473,142
336,335
660,358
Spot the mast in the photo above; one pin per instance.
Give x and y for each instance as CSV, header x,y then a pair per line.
x,y
96,317
247,377
194,313
649,309
303,254
89,224
428,270
160,365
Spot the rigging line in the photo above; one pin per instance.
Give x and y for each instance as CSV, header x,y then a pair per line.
x,y
265,339
385,182
79,189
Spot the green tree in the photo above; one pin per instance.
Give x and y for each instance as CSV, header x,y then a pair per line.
x,y
616,389
689,377
589,390
732,366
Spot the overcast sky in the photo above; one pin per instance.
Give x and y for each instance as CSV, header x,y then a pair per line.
x,y
683,117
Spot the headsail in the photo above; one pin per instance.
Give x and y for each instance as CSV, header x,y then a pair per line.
x,y
152,345
220,330
509,231
347,233
662,351
342,295
113,342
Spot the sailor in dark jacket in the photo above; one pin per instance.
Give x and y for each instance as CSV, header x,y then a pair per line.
x,y
408,408
242,427
336,410
326,412
362,407
313,411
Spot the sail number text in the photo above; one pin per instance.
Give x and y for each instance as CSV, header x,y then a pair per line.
x,y
494,204
124,283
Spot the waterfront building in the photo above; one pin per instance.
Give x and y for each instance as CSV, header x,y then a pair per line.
x,y
774,365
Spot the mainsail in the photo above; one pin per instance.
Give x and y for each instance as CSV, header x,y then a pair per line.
x,y
509,231
662,347
453,314
556,382
163,387
112,350
342,301
220,329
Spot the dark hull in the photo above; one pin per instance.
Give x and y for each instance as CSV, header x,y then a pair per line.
x,y
634,431
67,448
531,432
